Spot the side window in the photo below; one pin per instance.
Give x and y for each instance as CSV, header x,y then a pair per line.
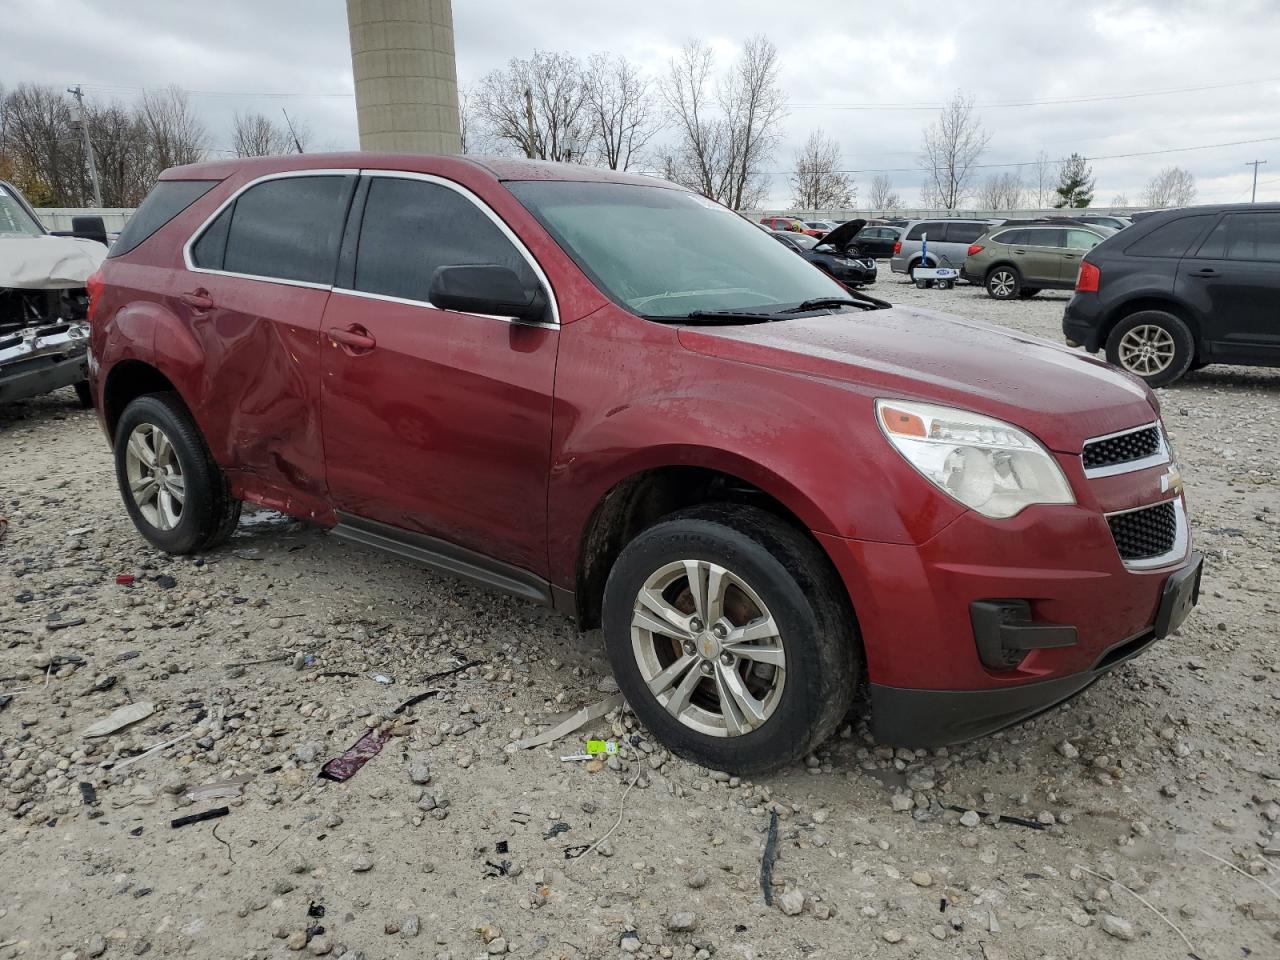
x,y
288,229
1011,237
208,252
167,199
933,229
960,232
411,227
1253,236
1082,240
1170,239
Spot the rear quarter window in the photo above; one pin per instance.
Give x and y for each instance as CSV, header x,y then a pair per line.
x,y
932,228
965,232
1171,239
166,200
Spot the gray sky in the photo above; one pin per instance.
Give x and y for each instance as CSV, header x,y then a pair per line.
x,y
835,56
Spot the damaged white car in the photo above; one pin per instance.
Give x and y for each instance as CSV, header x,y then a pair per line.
x,y
43,332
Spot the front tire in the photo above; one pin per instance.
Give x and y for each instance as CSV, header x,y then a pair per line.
x,y
84,394
175,493
731,638
1003,283
1153,345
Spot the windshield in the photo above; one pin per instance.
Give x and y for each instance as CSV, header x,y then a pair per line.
x,y
14,219
666,253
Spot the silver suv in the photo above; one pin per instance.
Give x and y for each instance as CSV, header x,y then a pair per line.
x,y
948,243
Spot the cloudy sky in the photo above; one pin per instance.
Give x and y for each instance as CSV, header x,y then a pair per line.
x,y
867,74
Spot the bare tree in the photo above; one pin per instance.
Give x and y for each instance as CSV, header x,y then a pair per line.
x,y
1120,200
122,154
1002,191
883,197
1171,187
177,135
43,149
817,182
466,122
951,148
1044,177
256,135
725,136
538,106
622,109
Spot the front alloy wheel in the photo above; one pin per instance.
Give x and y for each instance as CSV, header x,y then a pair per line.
x,y
708,648
154,476
1002,284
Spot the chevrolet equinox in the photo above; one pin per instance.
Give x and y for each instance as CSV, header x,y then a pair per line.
x,y
607,394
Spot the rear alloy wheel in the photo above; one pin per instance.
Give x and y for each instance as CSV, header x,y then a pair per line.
x,y
1153,345
1003,283
175,493
731,637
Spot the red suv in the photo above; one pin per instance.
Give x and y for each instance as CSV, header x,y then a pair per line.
x,y
766,489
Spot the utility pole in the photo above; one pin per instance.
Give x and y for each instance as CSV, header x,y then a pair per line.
x,y
528,119
1254,164
292,133
77,119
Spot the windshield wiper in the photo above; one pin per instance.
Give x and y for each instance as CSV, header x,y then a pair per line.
x,y
822,303
717,316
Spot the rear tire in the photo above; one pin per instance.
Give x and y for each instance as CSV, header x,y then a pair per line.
x,y
176,495
1153,345
798,666
1003,283
1026,293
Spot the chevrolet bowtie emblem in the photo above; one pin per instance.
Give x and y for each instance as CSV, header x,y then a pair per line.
x,y
1171,482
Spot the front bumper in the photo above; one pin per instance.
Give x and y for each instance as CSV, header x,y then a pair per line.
x,y
36,361
862,272
1082,322
915,602
934,718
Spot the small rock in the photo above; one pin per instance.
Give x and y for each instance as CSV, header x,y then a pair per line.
x,y
1116,926
297,940
901,803
970,818
791,902
683,922
922,878
630,942
1068,750
497,946
697,880
938,931
892,935
320,946
409,926
96,947
361,865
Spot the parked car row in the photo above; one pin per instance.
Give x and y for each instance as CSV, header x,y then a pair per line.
x,y
834,253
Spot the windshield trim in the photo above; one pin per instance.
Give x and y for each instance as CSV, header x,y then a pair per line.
x,y
24,206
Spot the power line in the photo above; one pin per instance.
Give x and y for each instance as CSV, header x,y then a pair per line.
x,y
1032,163
1042,102
247,94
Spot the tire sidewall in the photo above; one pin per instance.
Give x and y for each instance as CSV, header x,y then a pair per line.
x,y
1017,282
798,710
1183,345
197,508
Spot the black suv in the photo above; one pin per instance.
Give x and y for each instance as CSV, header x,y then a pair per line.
x,y
1182,289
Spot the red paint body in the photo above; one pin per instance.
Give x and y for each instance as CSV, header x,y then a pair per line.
x,y
504,438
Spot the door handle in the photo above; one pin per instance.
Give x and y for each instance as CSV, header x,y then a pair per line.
x,y
1204,273
1072,256
1019,252
354,338
197,299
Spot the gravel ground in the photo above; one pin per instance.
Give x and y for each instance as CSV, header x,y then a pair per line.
x,y
450,843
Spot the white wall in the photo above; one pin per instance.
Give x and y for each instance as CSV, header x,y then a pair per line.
x,y
59,218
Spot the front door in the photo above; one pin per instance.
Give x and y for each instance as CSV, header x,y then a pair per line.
x,y
437,422
1079,242
1236,275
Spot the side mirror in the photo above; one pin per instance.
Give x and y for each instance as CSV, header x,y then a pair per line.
x,y
89,228
487,288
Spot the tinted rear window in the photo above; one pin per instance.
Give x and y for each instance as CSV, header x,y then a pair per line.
x,y
1170,239
933,228
289,229
1244,236
965,232
166,200
1011,237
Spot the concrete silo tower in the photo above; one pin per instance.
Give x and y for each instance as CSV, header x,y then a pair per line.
x,y
406,78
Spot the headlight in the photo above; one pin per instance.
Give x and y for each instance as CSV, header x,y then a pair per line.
x,y
988,465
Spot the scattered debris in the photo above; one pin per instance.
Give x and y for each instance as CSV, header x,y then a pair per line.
x,y
125,579
1002,817
381,678
568,723
258,663
766,862
87,793
622,807
556,830
125,716
199,817
358,754
165,582
64,624
1146,903
148,752
1258,880
219,790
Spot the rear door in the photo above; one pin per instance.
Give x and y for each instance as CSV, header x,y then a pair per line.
x,y
436,422
1039,257
1238,268
960,234
1078,243
259,277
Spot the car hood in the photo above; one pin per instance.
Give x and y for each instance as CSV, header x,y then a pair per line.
x,y
841,235
47,262
1063,397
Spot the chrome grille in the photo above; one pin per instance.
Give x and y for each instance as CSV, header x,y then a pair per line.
x,y
1123,448
1145,533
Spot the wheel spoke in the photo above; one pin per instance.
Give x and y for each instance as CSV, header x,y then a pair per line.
x,y
665,680
139,447
697,572
680,697
144,489
654,614
762,628
177,487
742,712
164,449
717,584
749,651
